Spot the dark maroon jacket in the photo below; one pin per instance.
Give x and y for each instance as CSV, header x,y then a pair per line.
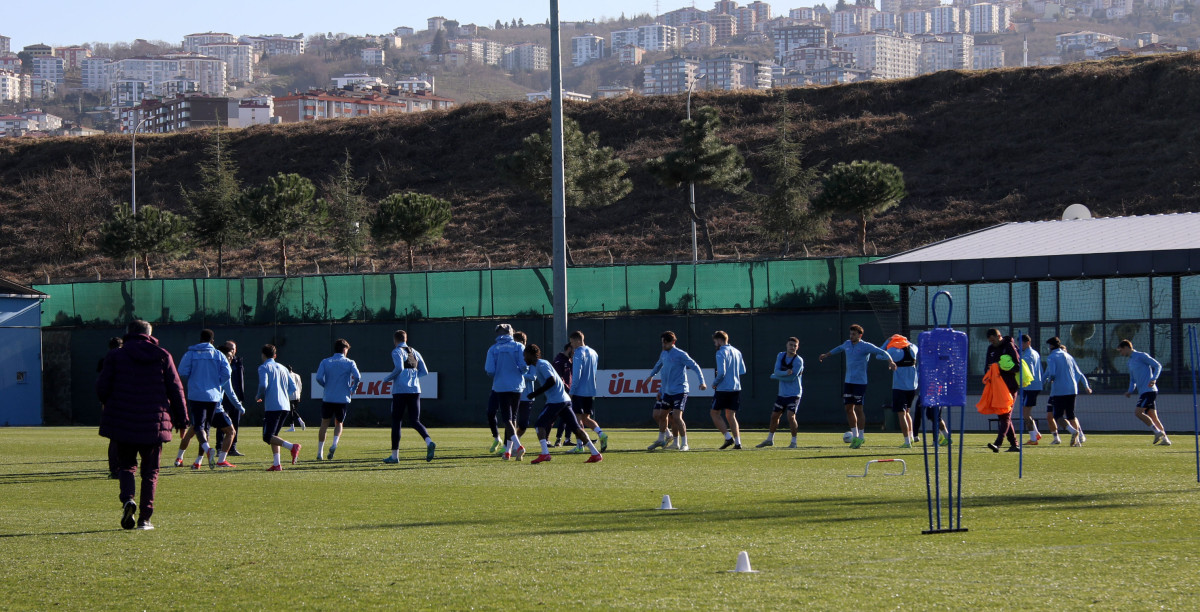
x,y
141,392
562,365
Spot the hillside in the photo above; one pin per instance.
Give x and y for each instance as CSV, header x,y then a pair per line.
x,y
977,148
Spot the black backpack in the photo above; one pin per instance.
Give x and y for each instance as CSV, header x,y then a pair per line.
x,y
909,359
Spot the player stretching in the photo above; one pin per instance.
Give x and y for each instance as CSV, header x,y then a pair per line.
x,y
788,368
406,393
506,365
727,390
207,372
583,389
1065,377
558,403
904,383
1143,380
339,376
1033,360
858,354
275,388
674,363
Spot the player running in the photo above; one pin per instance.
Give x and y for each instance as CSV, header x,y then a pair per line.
x,y
674,363
208,382
1143,380
406,394
858,354
558,403
506,365
340,377
1033,360
789,366
275,388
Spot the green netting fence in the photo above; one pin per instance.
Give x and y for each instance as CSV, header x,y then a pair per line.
x,y
786,284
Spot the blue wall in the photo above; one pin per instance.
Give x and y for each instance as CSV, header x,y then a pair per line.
x,y
20,362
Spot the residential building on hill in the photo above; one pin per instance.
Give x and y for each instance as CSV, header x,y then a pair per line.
x,y
372,56
569,96
5,45
95,72
797,36
586,48
72,57
887,56
946,52
49,68
193,42
631,55
10,87
38,50
269,46
178,113
531,57
987,56
238,58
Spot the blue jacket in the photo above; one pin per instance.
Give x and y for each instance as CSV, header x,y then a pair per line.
x,y
1142,369
506,365
730,368
275,386
530,384
207,371
340,377
857,356
789,384
1034,360
904,378
542,372
1063,374
583,372
673,365
408,379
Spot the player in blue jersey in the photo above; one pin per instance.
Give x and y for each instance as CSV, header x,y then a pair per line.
x,y
727,390
558,403
789,366
583,389
858,354
340,377
1143,380
1033,360
507,368
525,405
904,383
674,363
1065,378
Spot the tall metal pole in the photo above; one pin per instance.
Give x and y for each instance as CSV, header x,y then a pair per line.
x,y
133,183
557,186
692,184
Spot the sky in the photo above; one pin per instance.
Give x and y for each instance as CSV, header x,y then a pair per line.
x,y
81,21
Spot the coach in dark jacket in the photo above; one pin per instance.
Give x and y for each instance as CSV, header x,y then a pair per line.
x,y
143,401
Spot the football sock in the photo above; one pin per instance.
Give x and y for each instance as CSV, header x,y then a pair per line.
x,y
598,430
516,442
428,440
592,447
770,436
545,446
321,449
1070,429
221,457
508,446
793,439
1033,429
287,445
728,436
578,444
276,459
737,440
396,453
204,448
683,440
662,436
181,453
335,441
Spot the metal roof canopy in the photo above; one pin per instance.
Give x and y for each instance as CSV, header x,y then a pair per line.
x,y
11,289
1049,250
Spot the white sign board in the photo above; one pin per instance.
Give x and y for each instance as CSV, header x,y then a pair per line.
x,y
372,386
632,383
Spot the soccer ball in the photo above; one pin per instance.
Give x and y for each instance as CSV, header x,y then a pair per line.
x,y
847,437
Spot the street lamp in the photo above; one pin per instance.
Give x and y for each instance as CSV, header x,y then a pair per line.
x,y
692,184
133,194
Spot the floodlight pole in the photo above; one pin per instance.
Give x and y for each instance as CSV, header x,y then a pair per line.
x,y
133,183
557,186
692,184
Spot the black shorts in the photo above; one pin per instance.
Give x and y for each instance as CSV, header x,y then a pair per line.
x,y
1031,398
675,402
201,413
1063,406
786,404
337,412
551,413
523,408
582,404
902,399
221,420
273,422
727,400
660,404
854,394
1146,401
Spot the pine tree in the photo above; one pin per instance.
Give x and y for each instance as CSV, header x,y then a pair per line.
x,y
412,218
861,189
283,208
785,212
150,232
216,217
348,210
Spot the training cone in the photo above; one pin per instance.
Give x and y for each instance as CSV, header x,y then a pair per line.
x,y
743,564
666,503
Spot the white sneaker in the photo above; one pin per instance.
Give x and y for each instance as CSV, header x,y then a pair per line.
x,y
1082,438
1165,441
793,445
1056,440
1158,437
684,447
674,445
657,443
292,428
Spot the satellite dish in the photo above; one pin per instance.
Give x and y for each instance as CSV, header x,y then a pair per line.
x,y
1076,211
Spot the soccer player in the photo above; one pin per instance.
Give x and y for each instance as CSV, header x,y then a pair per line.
x,y
1033,360
562,365
275,388
506,365
904,382
237,380
674,363
1143,380
583,389
294,399
1064,377
143,401
340,377
207,372
525,404
558,403
789,366
406,393
858,354
727,390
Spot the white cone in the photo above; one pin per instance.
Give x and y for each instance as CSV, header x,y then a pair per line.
x,y
666,503
743,564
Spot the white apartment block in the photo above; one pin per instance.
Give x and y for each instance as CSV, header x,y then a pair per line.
x,y
733,73
885,55
49,68
41,120
238,58
885,21
527,56
948,52
10,86
844,22
258,110
988,18
802,14
657,37
672,76
193,42
808,59
987,57
72,56
42,89
568,96
586,48
433,24
950,20
762,11
630,55
682,16
891,6
1075,41
5,45
403,31
746,18
372,56
355,79
916,22
620,38
10,62
130,92
697,32
267,46
724,25
95,72
209,73
798,36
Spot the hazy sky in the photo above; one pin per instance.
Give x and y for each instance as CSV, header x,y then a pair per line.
x,y
78,21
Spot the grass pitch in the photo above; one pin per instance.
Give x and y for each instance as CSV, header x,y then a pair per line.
x,y
1111,525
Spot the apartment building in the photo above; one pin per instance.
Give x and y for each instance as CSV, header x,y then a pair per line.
x,y
747,19
193,42
49,68
989,18
657,37
798,36
949,20
403,31
5,45
947,52
1078,41
802,14
731,73
724,26
178,113
10,87
268,46
885,21
433,24
95,72
631,55
620,38
986,57
683,16
527,56
358,80
316,105
586,48
724,7
38,50
567,96
238,58
887,56
72,57
671,76
762,11
916,22
808,59
698,33
372,56
259,110
10,62
209,73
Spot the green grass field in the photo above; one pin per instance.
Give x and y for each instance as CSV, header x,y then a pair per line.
x,y
1112,525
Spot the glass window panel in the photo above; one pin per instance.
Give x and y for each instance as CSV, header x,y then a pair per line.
x,y
1020,302
917,307
1189,297
1081,300
1127,298
958,293
1048,300
989,303
1160,297
1162,351
1118,366
1085,342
